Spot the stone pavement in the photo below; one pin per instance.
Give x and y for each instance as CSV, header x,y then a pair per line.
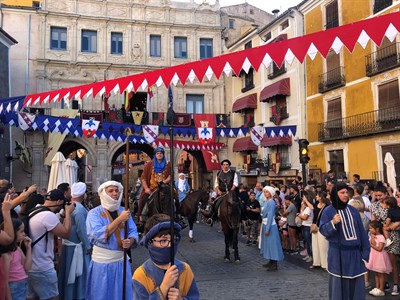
x,y
247,279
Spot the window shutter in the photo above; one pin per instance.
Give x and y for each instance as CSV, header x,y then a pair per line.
x,y
389,94
334,109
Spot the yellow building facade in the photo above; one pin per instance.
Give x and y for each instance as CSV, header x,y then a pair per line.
x,y
353,105
22,3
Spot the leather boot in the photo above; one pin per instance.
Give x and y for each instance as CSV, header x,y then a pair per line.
x,y
273,266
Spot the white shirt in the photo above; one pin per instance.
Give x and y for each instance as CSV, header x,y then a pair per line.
x,y
42,259
309,212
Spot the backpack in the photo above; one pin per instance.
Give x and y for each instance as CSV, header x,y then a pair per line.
x,y
26,217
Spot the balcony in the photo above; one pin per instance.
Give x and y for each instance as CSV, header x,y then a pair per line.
x,y
382,60
381,5
331,80
370,123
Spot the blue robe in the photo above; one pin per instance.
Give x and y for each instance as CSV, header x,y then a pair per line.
x,y
354,247
271,247
78,235
148,278
104,281
182,194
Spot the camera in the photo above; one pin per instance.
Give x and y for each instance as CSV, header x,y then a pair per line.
x,y
67,202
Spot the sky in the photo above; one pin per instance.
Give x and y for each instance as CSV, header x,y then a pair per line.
x,y
266,5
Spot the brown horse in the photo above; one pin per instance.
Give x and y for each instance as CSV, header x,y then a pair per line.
x,y
190,206
229,215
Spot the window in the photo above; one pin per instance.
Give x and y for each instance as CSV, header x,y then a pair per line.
x,y
248,82
248,117
231,24
332,15
180,47
155,45
381,5
336,162
267,36
36,4
334,118
206,48
58,38
388,94
89,41
285,25
194,104
116,43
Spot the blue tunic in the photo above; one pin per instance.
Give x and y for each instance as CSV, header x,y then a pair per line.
x,y
78,235
104,280
148,278
354,247
271,247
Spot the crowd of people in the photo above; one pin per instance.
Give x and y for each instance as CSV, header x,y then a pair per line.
x,y
349,229
53,245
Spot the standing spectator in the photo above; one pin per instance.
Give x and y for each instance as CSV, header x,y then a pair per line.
x,y
379,260
380,213
258,190
290,211
75,250
253,218
17,263
330,177
296,200
311,181
105,227
348,246
6,238
271,247
66,189
393,216
319,243
356,179
156,278
306,215
42,278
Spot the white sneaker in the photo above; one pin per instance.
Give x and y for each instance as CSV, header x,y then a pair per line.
x,y
371,292
388,242
378,293
309,259
305,257
395,291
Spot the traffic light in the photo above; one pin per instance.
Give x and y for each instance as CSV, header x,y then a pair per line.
x,y
303,148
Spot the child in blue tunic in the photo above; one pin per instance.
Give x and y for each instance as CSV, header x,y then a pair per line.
x,y
156,278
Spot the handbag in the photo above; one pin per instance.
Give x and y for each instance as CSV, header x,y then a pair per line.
x,y
314,228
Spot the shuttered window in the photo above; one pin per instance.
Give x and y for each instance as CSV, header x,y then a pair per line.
x,y
334,109
332,15
336,162
389,94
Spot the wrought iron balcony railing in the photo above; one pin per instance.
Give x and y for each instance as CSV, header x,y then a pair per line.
x,y
370,123
381,4
383,60
331,80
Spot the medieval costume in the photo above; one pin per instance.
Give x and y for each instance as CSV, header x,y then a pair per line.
x,y
348,248
75,258
148,277
154,173
108,255
271,243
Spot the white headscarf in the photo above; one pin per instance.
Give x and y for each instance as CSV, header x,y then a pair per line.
x,y
270,189
181,182
106,201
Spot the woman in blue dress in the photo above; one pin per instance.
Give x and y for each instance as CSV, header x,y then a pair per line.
x,y
271,247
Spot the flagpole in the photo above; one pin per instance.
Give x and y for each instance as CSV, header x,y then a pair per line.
x,y
127,133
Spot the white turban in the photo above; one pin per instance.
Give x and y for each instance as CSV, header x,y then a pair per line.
x,y
270,189
106,201
78,189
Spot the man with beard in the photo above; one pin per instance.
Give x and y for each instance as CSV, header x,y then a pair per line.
x,y
43,226
105,226
349,247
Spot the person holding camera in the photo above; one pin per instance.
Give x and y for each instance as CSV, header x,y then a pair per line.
x,y
76,249
42,278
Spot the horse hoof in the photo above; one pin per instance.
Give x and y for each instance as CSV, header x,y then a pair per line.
x,y
192,240
227,259
237,260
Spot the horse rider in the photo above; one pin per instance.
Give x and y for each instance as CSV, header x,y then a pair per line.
x,y
183,189
155,172
226,180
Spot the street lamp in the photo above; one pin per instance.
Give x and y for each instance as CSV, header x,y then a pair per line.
x,y
18,151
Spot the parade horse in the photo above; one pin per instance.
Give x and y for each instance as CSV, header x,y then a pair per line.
x,y
229,214
189,207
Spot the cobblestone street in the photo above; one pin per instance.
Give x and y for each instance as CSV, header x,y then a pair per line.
x,y
247,279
